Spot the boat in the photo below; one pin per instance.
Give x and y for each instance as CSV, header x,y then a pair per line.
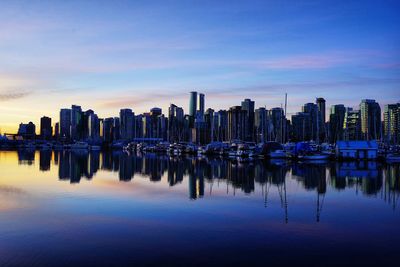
x,y
273,150
80,146
243,151
313,156
95,148
393,157
57,146
277,154
45,146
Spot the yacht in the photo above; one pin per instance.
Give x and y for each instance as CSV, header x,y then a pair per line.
x,y
45,146
393,157
95,148
80,146
313,156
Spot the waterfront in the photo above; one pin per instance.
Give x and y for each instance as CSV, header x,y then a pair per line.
x,y
111,208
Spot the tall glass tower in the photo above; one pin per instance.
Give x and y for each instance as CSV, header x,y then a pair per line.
x,y
193,104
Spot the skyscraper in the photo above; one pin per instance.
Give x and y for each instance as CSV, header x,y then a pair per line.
x,y
321,118
278,121
314,127
27,130
391,123
261,125
237,121
221,125
248,106
336,123
193,104
56,130
46,130
352,125
76,122
126,118
175,123
370,119
201,104
65,124
108,124
93,126
301,123
321,108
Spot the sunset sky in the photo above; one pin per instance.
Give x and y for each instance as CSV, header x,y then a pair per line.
x,y
140,54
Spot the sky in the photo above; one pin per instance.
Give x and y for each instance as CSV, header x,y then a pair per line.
x,y
108,55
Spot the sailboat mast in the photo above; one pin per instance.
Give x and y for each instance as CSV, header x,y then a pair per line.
x,y
285,115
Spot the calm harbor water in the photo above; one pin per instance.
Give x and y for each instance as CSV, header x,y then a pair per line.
x,y
114,209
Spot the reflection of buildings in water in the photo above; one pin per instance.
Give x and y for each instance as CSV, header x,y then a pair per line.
x,y
176,170
154,166
44,160
241,176
391,192
75,164
126,167
196,186
26,156
363,175
366,177
312,176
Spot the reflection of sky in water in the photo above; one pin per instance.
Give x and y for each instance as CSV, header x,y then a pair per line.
x,y
50,209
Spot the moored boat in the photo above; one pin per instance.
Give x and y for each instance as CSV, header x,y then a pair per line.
x,y
313,156
80,146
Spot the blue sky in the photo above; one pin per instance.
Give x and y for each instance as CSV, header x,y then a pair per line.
x,y
107,55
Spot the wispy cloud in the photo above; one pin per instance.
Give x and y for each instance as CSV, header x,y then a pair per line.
x,y
13,95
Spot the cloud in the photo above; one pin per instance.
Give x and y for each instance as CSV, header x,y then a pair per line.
x,y
13,95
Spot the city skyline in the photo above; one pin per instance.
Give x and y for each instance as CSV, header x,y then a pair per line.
x,y
201,125
142,55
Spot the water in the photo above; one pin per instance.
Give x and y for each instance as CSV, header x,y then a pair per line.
x,y
112,209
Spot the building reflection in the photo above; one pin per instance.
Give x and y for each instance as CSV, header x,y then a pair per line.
x,y
73,165
45,159
26,156
366,178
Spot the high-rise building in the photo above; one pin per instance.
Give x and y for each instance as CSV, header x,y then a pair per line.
x,y
314,127
370,113
27,131
201,104
301,130
116,129
85,123
93,126
139,126
248,106
261,125
278,120
336,123
65,124
108,124
193,104
321,108
352,125
321,119
56,130
237,121
76,122
221,125
175,123
46,130
391,116
126,118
